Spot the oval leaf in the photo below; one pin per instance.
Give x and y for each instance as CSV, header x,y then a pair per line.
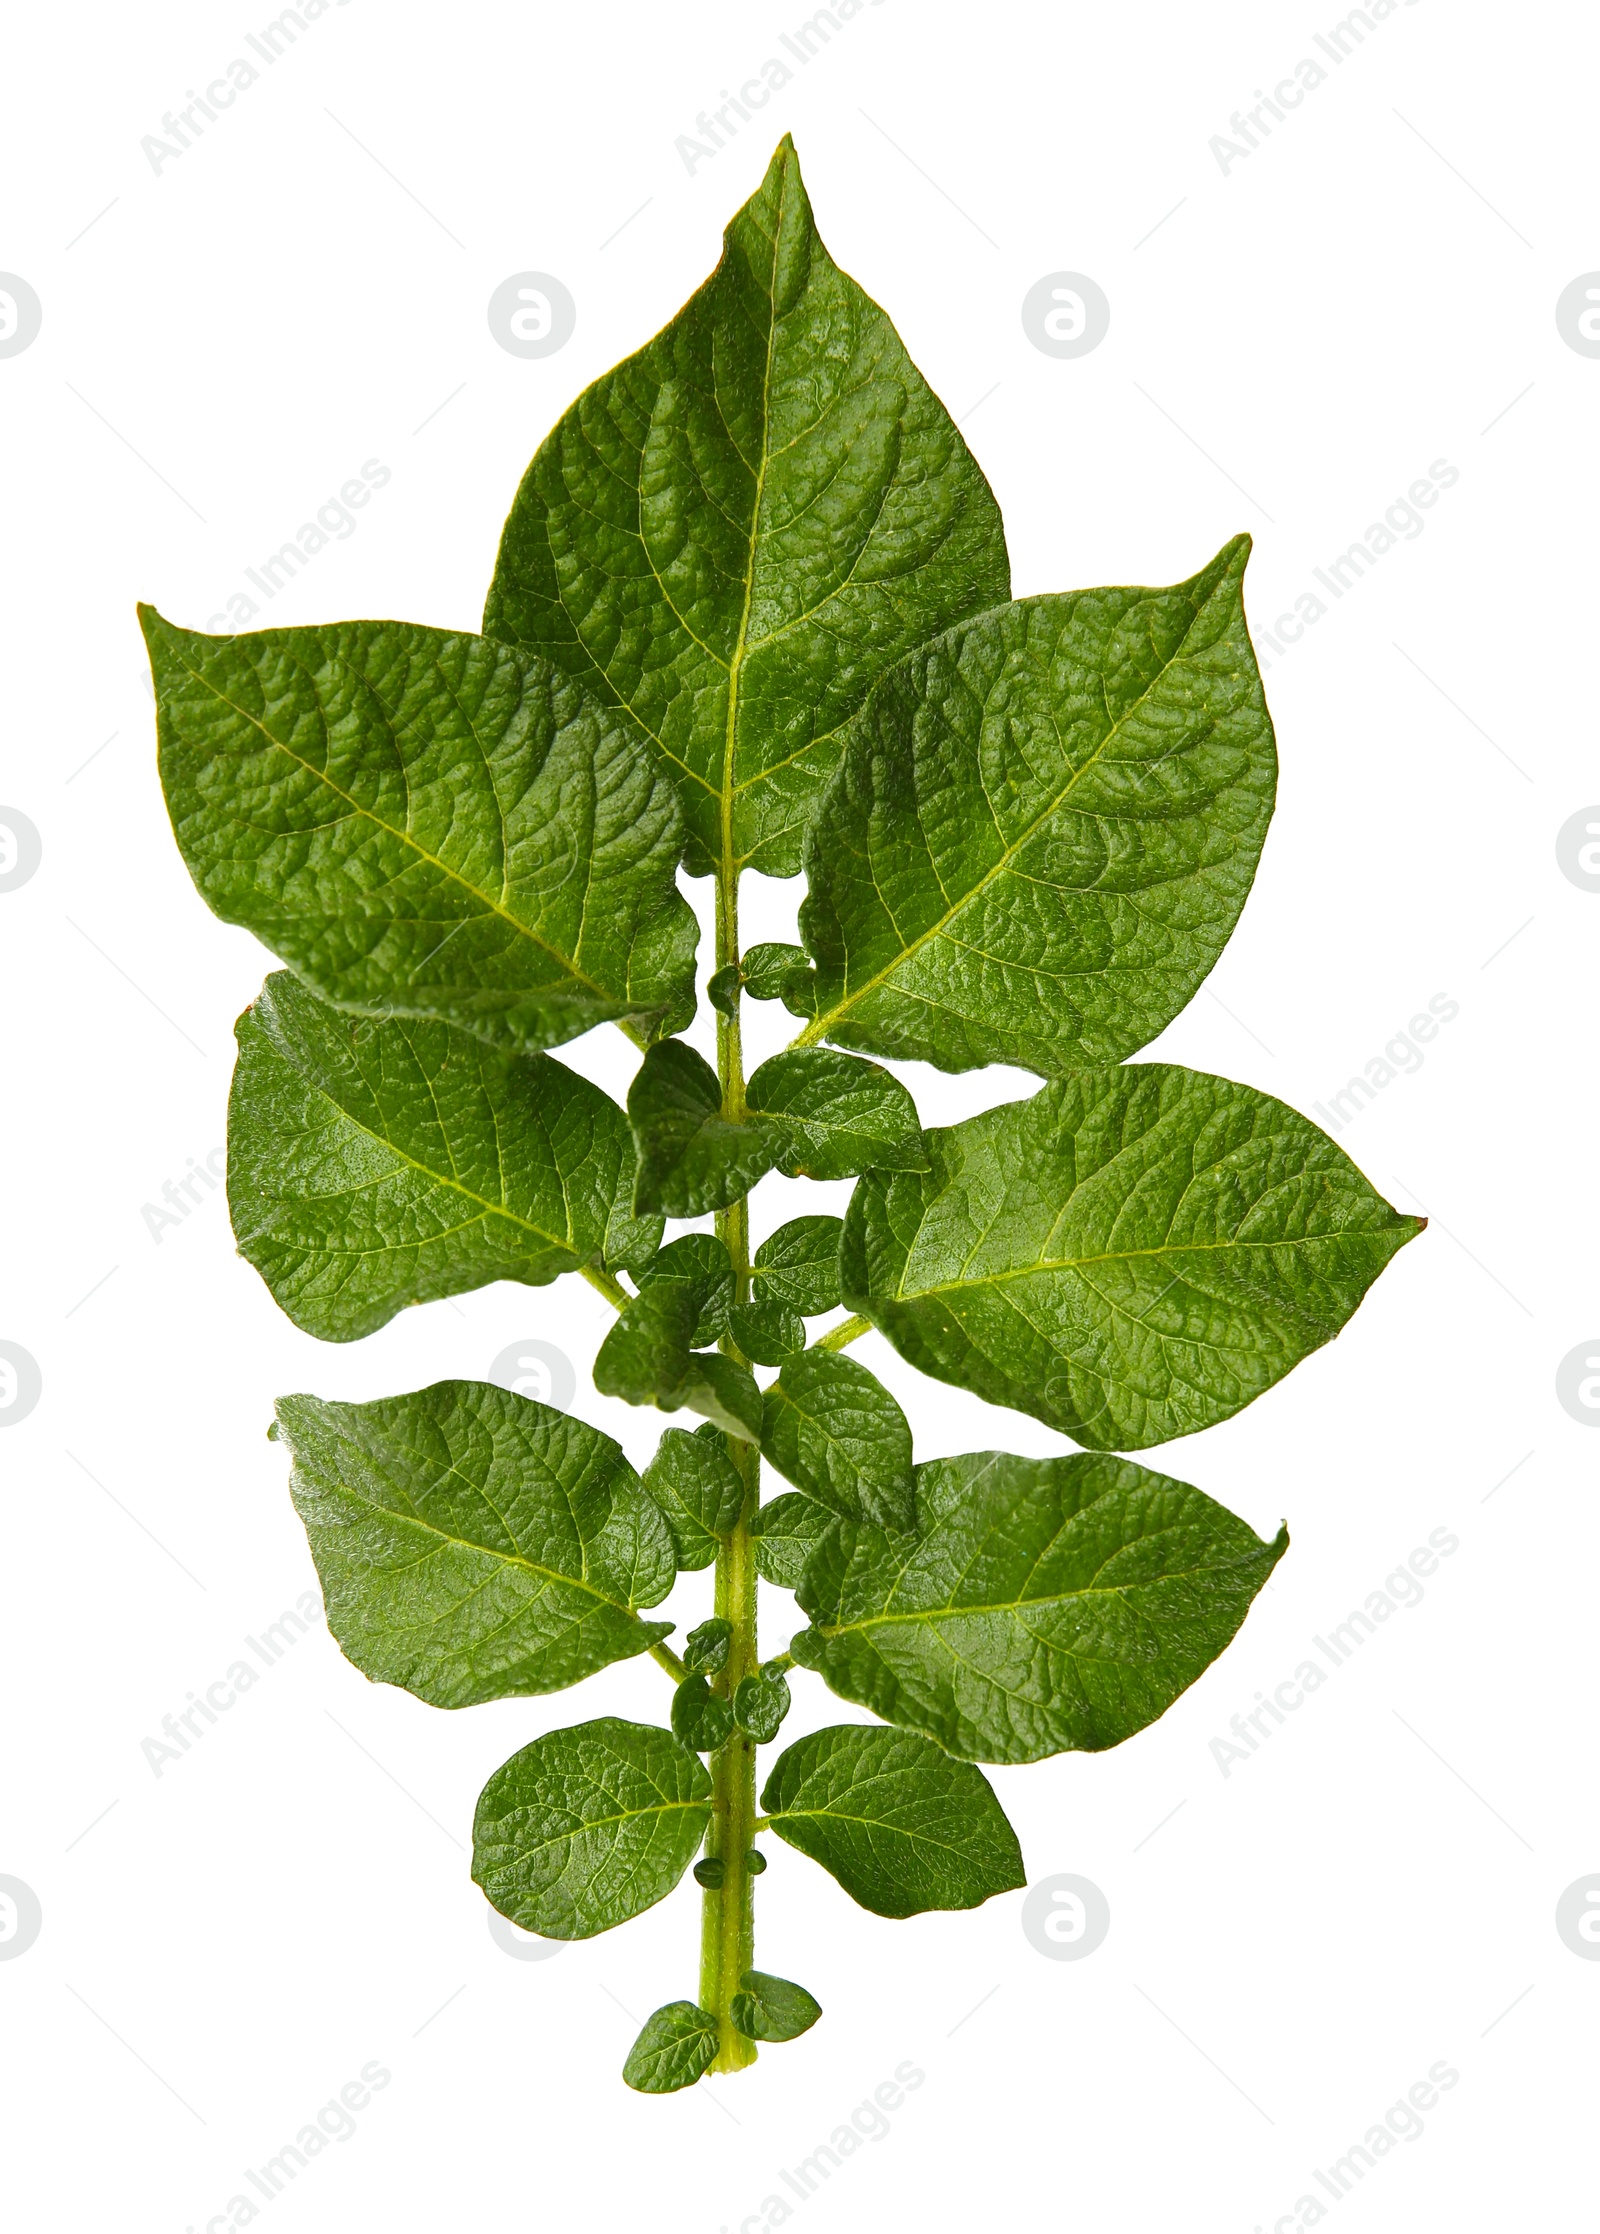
x,y
832,1428
694,1482
692,1159
768,2008
900,1825
677,2046
372,1164
738,529
785,1534
799,1265
1044,1605
586,1827
1043,829
472,1544
428,824
840,1116
1130,1255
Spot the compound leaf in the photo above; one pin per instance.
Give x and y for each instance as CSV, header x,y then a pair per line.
x,y
586,1827
1043,1604
1130,1255
1043,829
472,1544
799,1265
372,1164
832,1428
900,1825
677,2046
840,1116
739,528
422,823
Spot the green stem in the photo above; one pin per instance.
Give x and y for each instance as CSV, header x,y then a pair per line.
x,y
849,1330
727,1928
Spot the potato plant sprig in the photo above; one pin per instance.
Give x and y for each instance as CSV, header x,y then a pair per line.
x,y
751,614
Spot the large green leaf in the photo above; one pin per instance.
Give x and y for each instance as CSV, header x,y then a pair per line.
x,y
739,528
1043,1604
1130,1255
838,1115
376,1164
472,1544
833,1429
898,1823
1043,829
586,1827
428,824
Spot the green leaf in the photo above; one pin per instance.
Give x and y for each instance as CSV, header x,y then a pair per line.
x,y
760,1703
700,1720
799,1265
376,1164
785,1534
1043,829
428,824
841,1116
677,2046
767,1332
775,972
703,1262
898,1823
705,1649
832,1428
769,2008
724,1393
472,1544
1130,1255
722,990
691,1158
586,1827
1044,1605
647,1359
694,1482
739,528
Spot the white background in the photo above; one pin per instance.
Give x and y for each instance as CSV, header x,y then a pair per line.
x,y
1373,1890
